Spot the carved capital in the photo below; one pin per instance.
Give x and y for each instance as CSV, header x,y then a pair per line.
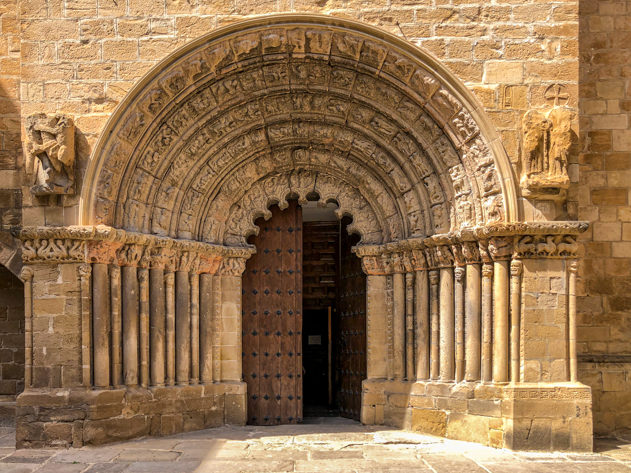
x,y
130,254
487,270
232,267
459,273
434,276
573,266
26,275
102,251
85,270
516,268
471,252
500,248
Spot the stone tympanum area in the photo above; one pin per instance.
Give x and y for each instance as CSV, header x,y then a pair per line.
x,y
133,317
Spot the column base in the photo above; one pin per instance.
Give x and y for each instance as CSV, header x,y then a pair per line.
x,y
74,417
546,417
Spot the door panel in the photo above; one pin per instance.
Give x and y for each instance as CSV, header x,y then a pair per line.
x,y
272,320
351,360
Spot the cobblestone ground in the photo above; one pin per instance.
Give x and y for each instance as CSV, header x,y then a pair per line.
x,y
327,445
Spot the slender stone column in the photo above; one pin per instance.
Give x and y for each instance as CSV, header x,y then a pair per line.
x,y
157,322
409,326
143,281
101,324
421,313
205,327
85,270
130,325
390,325
169,279
447,352
117,325
500,321
194,282
515,317
472,322
459,275
216,329
376,339
434,341
487,320
27,277
398,283
182,328
231,342
573,270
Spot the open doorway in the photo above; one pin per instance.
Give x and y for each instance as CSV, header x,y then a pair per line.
x,y
304,322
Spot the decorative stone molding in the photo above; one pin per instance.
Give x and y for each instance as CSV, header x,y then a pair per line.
x,y
50,153
480,244
102,244
546,139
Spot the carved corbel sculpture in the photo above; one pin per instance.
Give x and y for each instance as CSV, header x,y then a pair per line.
x,y
546,141
51,153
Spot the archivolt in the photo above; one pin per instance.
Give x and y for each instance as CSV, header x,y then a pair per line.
x,y
364,118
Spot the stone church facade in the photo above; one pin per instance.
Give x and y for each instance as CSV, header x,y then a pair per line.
x,y
479,151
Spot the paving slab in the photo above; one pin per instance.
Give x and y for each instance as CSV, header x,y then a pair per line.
x,y
339,446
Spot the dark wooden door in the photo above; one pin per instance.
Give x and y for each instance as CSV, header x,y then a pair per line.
x,y
351,359
272,320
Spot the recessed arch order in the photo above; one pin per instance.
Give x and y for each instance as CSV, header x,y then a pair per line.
x,y
294,105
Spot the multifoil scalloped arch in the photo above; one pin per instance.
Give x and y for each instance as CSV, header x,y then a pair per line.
x,y
285,105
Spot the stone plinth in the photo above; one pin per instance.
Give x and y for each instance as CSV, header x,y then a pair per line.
x,y
520,417
77,416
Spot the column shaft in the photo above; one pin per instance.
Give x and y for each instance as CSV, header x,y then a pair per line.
x,y
101,324
390,326
169,278
515,316
143,281
472,323
182,328
409,326
500,321
421,310
157,322
85,271
573,270
459,274
398,281
487,321
130,325
205,327
447,353
117,325
376,338
27,277
216,328
194,281
434,341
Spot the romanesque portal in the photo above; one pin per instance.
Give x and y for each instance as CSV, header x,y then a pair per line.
x,y
301,109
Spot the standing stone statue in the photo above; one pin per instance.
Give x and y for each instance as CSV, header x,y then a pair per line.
x,y
546,141
51,153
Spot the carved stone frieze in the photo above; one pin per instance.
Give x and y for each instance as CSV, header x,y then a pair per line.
x,y
51,153
546,138
102,244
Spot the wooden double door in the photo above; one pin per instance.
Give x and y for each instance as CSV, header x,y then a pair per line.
x,y
273,324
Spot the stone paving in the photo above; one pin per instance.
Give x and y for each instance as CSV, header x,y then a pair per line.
x,y
324,445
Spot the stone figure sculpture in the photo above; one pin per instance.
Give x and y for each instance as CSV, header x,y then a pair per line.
x,y
546,140
50,153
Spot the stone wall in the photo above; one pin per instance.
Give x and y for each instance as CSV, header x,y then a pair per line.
x,y
11,333
603,198
81,59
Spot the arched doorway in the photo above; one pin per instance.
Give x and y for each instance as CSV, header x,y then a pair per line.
x,y
304,318
258,114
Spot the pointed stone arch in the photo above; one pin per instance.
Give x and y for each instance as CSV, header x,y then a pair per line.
x,y
298,95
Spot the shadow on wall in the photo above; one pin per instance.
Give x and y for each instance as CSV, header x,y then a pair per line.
x,y
11,333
